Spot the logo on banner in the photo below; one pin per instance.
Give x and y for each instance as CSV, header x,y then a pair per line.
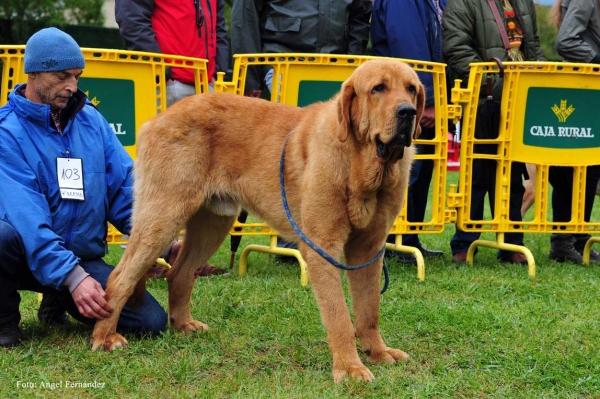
x,y
561,118
115,99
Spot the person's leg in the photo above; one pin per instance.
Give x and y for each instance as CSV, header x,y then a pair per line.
x,y
418,193
177,90
462,240
420,180
147,318
281,243
517,191
411,240
14,276
562,245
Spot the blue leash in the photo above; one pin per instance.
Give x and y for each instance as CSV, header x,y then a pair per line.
x,y
311,244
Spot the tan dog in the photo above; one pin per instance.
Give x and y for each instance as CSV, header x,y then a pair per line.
x,y
347,164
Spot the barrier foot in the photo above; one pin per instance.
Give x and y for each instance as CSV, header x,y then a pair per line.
x,y
273,249
507,247
398,247
587,249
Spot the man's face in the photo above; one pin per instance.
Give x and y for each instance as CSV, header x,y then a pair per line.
x,y
54,88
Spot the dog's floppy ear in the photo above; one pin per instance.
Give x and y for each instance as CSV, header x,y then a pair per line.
x,y
345,109
420,110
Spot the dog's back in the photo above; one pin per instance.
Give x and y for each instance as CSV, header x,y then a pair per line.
x,y
220,145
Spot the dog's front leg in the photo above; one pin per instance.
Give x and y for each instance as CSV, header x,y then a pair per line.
x,y
365,285
327,287
120,285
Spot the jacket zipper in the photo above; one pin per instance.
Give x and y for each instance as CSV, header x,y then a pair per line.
x,y
74,204
200,18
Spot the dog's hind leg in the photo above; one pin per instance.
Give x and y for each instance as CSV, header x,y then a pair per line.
x,y
205,232
156,221
365,286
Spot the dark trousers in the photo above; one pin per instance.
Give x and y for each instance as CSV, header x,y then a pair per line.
x,y
561,179
418,189
147,318
484,182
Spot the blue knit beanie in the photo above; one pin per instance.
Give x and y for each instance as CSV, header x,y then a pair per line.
x,y
50,50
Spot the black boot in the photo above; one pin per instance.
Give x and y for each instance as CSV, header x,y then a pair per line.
x,y
52,310
562,249
580,241
10,334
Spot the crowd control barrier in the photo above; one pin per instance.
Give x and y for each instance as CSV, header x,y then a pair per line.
x,y
548,118
301,79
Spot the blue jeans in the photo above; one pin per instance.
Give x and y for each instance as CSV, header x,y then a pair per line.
x,y
147,318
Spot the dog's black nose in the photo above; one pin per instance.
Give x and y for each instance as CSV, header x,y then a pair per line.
x,y
406,111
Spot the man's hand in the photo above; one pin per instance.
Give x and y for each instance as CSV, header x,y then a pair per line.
x,y
89,298
253,93
428,118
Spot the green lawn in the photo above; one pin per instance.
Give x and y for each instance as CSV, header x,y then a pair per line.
x,y
487,331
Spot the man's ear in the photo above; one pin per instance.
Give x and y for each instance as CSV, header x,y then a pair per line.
x,y
420,110
344,110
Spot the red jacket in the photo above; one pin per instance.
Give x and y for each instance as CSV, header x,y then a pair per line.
x,y
192,28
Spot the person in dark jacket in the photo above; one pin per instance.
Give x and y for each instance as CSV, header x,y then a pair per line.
x,y
289,26
471,34
412,29
187,28
64,176
578,40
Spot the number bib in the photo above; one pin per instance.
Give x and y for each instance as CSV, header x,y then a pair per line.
x,y
70,178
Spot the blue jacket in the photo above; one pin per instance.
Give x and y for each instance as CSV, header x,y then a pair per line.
x,y
408,29
57,233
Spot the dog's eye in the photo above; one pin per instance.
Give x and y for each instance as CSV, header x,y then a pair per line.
x,y
378,89
412,89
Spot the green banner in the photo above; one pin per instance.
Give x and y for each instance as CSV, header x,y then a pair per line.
x,y
115,99
312,91
562,118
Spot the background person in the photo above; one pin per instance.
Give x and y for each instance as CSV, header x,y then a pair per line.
x,y
187,28
471,34
412,29
289,26
68,176
578,40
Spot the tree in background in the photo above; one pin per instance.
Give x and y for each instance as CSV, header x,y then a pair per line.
x,y
547,33
19,19
86,12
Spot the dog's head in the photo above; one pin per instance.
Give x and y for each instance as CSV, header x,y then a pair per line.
x,y
382,103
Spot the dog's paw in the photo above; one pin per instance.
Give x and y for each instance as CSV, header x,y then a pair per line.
x,y
191,326
115,341
358,372
388,356
109,343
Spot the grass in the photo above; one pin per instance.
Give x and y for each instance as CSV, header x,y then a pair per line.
x,y
486,331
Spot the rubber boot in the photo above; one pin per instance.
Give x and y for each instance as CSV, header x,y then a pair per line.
x,y
10,334
562,249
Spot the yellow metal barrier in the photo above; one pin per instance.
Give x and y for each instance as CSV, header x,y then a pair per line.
x,y
301,79
127,87
548,118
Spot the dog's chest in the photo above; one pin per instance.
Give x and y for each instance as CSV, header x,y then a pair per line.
x,y
361,210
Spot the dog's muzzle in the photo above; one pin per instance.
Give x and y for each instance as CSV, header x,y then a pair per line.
x,y
394,149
